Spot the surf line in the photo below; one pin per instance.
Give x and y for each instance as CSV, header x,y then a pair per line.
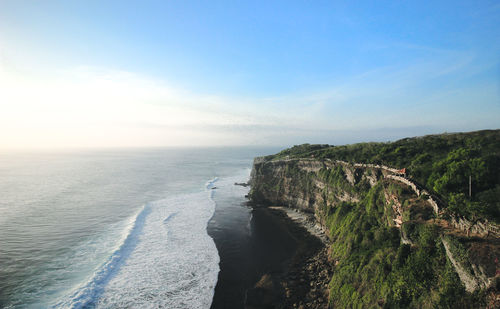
x,y
88,295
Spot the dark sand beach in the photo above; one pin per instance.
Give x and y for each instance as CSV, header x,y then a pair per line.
x,y
265,263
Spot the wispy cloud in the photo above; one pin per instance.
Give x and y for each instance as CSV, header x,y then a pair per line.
x,y
88,106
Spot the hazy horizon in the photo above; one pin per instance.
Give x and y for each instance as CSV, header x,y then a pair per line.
x,y
122,74
378,138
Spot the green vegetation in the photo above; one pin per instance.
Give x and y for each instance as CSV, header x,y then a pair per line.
x,y
459,252
441,163
376,270
299,151
378,265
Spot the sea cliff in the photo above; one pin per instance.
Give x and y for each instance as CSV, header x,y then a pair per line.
x,y
393,242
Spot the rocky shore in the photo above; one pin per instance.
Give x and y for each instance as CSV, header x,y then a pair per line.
x,y
306,283
303,283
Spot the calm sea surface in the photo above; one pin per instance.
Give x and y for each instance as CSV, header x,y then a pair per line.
x,y
115,228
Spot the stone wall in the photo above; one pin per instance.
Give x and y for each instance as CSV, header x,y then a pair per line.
x,y
479,227
431,200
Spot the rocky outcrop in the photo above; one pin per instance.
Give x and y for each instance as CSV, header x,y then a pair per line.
x,y
397,208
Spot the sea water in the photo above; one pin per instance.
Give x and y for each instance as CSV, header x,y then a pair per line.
x,y
113,228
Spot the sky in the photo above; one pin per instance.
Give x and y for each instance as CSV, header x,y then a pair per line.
x,y
215,73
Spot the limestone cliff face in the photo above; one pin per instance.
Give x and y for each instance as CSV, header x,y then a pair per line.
x,y
287,183
316,185
311,185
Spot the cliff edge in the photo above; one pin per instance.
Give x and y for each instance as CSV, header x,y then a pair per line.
x,y
394,242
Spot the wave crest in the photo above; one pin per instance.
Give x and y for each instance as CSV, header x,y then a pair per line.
x,y
166,260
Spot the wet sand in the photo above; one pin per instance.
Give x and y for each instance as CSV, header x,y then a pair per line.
x,y
262,262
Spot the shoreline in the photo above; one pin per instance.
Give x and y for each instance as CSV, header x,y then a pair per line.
x,y
306,220
270,256
304,277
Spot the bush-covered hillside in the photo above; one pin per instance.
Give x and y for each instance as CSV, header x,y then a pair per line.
x,y
376,270
444,164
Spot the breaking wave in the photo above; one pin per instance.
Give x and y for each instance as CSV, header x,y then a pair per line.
x,y
166,259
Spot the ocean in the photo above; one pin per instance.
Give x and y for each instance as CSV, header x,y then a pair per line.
x,y
120,228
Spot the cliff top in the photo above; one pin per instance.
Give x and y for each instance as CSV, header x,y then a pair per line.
x,y
462,169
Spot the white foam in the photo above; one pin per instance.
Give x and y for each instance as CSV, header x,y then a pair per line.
x,y
85,295
167,260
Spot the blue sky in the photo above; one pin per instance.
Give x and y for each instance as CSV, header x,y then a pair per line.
x,y
160,73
